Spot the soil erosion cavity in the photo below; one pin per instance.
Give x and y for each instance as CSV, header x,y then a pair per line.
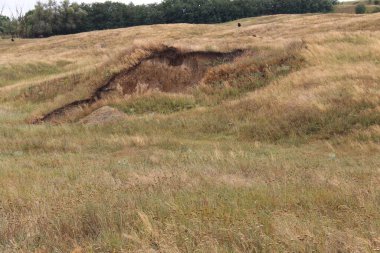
x,y
166,70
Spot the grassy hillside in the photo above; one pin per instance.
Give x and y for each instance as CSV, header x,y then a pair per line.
x,y
274,149
349,7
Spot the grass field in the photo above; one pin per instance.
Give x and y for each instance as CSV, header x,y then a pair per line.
x,y
348,7
275,150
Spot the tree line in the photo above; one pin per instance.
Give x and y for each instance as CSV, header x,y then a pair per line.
x,y
53,18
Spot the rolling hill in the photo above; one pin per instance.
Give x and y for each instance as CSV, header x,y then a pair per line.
x,y
183,138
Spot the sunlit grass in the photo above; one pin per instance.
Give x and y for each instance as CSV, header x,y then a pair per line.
x,y
276,151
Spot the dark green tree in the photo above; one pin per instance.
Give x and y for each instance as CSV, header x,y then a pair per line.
x,y
4,21
360,9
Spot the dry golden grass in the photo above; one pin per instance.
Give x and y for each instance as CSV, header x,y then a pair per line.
x,y
276,151
349,7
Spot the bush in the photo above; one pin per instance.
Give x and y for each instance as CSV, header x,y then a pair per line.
x,y
376,10
377,2
360,9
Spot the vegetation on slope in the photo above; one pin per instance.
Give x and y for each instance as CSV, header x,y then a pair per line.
x,y
358,7
52,18
281,162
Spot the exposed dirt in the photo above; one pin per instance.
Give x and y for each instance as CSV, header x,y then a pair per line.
x,y
167,70
172,71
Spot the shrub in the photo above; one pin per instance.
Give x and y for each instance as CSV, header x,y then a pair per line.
x,y
360,9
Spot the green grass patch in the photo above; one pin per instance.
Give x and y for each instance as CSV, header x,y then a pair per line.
x,y
156,103
12,73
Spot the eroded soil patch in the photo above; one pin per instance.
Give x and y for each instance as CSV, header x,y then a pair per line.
x,y
166,70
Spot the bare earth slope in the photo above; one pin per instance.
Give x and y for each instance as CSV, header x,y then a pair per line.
x,y
208,138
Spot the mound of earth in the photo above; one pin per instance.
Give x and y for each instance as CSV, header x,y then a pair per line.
x,y
103,115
